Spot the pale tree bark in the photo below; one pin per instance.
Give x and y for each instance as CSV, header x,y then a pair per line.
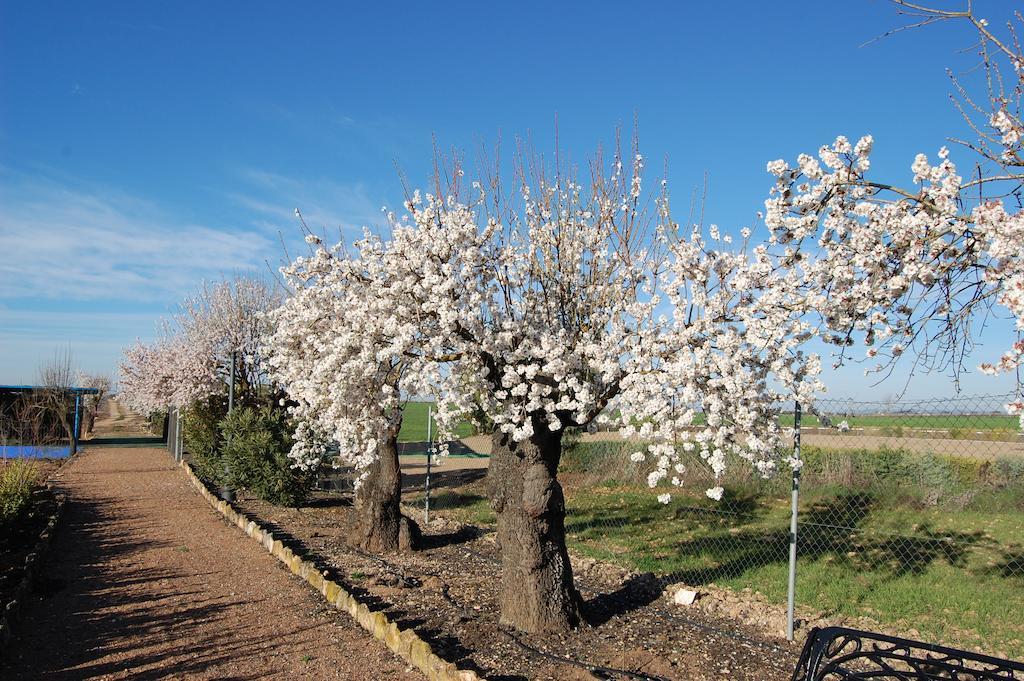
x,y
537,590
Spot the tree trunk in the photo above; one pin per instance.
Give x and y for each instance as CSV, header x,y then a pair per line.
x,y
381,527
537,591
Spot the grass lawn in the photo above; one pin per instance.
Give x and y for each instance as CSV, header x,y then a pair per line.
x,y
959,424
955,576
414,423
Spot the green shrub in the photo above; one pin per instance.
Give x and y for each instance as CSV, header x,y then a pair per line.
x,y
255,445
202,439
17,480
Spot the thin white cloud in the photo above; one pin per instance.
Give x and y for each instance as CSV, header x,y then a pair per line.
x,y
62,326
325,204
94,268
60,241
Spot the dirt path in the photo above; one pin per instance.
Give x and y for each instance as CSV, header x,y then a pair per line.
x,y
116,420
144,581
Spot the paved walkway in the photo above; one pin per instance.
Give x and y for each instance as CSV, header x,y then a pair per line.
x,y
145,581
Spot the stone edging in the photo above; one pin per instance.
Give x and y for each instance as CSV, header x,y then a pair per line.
x,y
404,643
33,563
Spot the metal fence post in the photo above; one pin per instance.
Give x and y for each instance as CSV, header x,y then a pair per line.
x,y
78,425
430,446
231,388
791,599
180,444
172,432
227,493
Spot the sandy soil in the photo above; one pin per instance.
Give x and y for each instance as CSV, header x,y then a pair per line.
x,y
145,581
115,419
981,449
977,449
447,592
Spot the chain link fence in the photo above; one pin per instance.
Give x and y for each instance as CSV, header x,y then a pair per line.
x,y
176,434
910,517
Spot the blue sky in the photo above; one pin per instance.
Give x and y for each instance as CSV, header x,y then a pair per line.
x,y
145,146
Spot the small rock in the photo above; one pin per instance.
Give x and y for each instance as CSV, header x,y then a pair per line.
x,y
684,597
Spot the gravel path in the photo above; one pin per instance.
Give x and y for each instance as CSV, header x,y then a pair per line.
x,y
144,581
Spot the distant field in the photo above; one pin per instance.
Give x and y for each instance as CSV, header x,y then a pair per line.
x,y
958,423
916,421
915,541
414,423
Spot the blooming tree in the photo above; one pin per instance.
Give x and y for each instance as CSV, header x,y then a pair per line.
x,y
168,373
341,354
544,311
911,270
226,322
575,301
192,358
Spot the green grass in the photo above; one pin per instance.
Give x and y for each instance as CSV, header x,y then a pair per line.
x,y
414,423
957,423
18,477
955,576
931,543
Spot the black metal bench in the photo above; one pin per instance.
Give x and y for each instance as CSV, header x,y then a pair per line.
x,y
842,654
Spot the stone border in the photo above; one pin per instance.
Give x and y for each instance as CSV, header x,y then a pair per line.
x,y
404,643
33,563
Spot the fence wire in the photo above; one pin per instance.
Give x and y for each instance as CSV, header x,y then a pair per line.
x,y
911,515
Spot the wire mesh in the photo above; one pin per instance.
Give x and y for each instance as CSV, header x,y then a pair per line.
x,y
174,433
911,515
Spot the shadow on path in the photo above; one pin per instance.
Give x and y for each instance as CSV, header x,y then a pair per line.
x,y
88,611
127,590
130,441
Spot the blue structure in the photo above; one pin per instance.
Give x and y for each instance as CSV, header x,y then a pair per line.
x,y
9,397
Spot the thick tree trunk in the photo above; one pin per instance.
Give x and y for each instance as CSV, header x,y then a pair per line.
x,y
381,527
537,591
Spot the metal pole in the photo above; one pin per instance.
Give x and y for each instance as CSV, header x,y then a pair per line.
x,y
231,388
179,445
172,431
74,437
430,447
791,601
226,492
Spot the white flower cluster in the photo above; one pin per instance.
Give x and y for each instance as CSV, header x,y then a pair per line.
x,y
344,345
572,306
890,268
192,358
169,373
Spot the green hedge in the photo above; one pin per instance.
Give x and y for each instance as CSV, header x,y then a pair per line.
x,y
202,439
